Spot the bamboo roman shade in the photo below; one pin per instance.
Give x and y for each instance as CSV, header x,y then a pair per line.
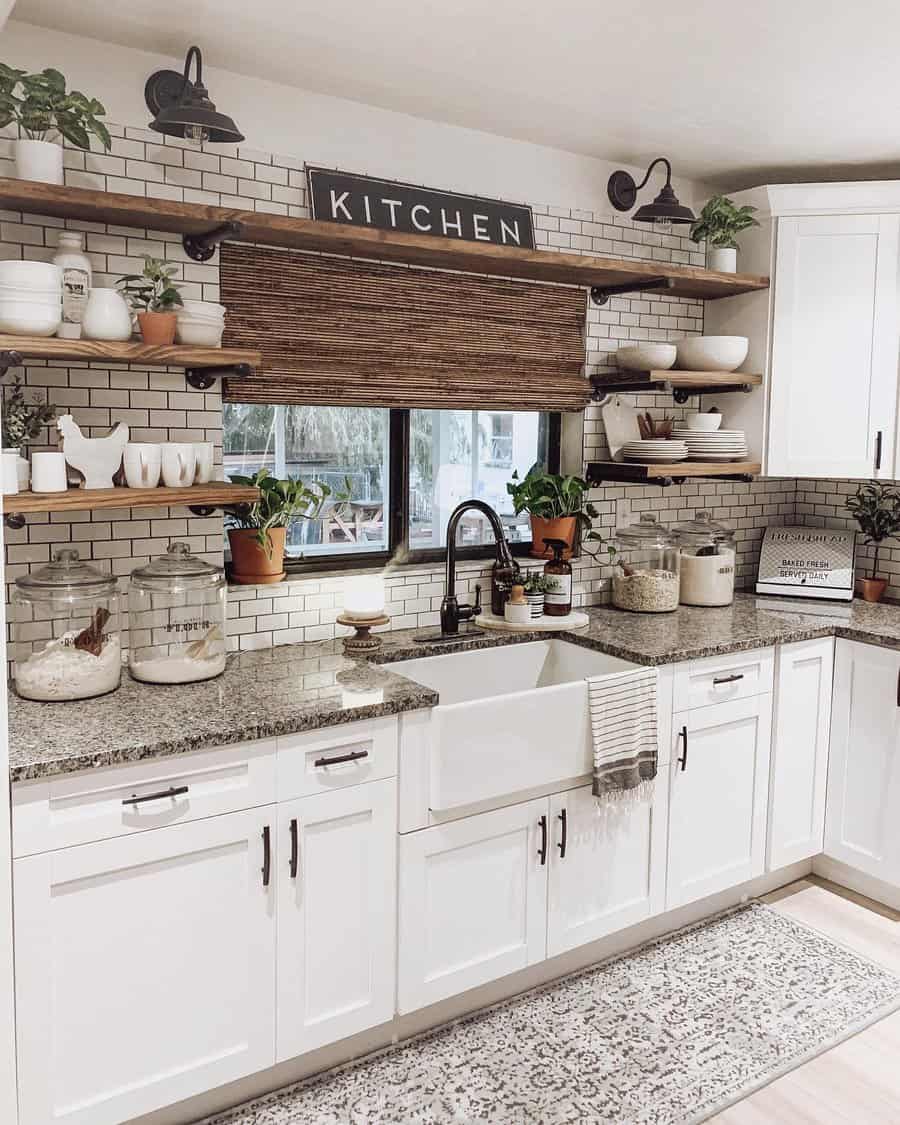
x,y
343,332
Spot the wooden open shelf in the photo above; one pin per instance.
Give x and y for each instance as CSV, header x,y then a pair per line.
x,y
694,381
628,472
216,494
363,242
115,351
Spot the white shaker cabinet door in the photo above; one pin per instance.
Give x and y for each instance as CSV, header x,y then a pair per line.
x,y
862,821
473,901
337,908
145,968
800,751
718,797
834,347
607,865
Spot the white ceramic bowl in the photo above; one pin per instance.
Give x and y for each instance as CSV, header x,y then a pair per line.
x,y
706,423
24,319
7,290
203,308
712,353
201,335
23,297
17,272
646,357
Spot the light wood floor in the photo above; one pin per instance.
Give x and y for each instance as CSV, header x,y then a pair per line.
x,y
857,1082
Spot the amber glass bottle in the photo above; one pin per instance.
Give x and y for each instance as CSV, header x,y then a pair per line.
x,y
558,598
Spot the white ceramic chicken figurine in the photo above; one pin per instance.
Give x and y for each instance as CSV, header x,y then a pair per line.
x,y
97,459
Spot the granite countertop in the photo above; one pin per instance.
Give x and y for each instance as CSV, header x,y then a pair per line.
x,y
304,687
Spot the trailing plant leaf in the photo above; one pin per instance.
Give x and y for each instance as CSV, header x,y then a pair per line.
x,y
282,501
551,496
41,108
876,508
720,221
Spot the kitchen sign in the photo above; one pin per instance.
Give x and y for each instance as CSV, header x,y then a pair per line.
x,y
363,201
808,562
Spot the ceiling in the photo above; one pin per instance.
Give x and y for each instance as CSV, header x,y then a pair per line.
x,y
735,94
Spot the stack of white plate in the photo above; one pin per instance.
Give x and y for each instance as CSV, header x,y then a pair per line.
x,y
655,451
720,445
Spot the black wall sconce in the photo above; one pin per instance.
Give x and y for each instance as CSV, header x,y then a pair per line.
x,y
181,108
664,210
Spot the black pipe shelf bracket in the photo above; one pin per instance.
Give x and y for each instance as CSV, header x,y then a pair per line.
x,y
201,247
600,294
202,378
10,358
15,521
681,394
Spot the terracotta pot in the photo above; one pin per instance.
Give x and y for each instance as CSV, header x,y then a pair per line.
x,y
157,327
250,565
871,589
541,529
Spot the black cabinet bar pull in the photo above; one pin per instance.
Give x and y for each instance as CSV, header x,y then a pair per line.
x,y
267,855
542,851
353,756
898,687
565,834
683,735
728,679
295,848
172,791
878,440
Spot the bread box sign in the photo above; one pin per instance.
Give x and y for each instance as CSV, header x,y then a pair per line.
x,y
807,562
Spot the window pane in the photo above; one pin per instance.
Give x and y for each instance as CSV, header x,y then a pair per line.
x,y
459,454
319,443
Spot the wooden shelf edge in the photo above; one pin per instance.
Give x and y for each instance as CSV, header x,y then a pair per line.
x,y
634,472
335,238
118,351
215,494
679,378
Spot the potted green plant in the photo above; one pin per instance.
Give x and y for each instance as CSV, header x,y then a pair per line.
x,y
536,585
256,532
556,505
43,111
876,508
154,297
719,224
22,421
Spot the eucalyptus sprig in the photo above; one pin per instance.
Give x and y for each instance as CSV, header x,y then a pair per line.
x,y
41,107
152,290
22,419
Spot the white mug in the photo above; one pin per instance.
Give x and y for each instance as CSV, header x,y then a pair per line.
x,y
204,453
10,471
48,472
143,463
179,463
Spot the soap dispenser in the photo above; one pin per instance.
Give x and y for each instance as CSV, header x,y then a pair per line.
x,y
558,572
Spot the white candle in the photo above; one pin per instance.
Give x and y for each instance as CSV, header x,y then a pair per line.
x,y
364,596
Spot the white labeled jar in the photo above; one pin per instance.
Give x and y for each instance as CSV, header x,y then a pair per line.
x,y
176,619
75,268
706,573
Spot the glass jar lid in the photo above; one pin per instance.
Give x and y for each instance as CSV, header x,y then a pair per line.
x,y
704,529
67,574
647,532
178,567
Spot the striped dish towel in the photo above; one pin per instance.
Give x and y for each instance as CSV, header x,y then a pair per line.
x,y
623,725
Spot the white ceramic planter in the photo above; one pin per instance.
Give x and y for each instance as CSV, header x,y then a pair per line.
x,y
721,258
106,316
39,160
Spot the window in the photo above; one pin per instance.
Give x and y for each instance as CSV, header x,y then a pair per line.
x,y
451,455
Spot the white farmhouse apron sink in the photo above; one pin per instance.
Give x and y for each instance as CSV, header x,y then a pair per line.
x,y
510,719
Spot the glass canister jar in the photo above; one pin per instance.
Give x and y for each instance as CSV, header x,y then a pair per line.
x,y
176,619
646,575
66,631
707,561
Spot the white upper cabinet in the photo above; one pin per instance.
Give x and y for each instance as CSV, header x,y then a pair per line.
x,y
825,335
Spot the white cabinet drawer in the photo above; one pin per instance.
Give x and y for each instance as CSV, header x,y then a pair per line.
x,y
58,812
718,679
321,760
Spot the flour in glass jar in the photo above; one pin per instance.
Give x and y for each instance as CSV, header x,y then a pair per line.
x,y
60,671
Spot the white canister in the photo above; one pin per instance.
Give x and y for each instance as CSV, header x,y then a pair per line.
x,y
106,316
48,472
179,464
9,470
39,160
76,272
204,451
143,464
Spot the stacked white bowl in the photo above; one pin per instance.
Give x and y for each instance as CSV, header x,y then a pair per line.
x,y
200,323
30,297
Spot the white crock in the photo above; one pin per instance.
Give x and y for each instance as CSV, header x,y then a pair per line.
x,y
721,258
39,160
106,316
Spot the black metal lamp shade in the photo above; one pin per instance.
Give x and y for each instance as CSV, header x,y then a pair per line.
x,y
182,108
622,192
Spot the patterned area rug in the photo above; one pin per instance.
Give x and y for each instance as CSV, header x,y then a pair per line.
x,y
668,1034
